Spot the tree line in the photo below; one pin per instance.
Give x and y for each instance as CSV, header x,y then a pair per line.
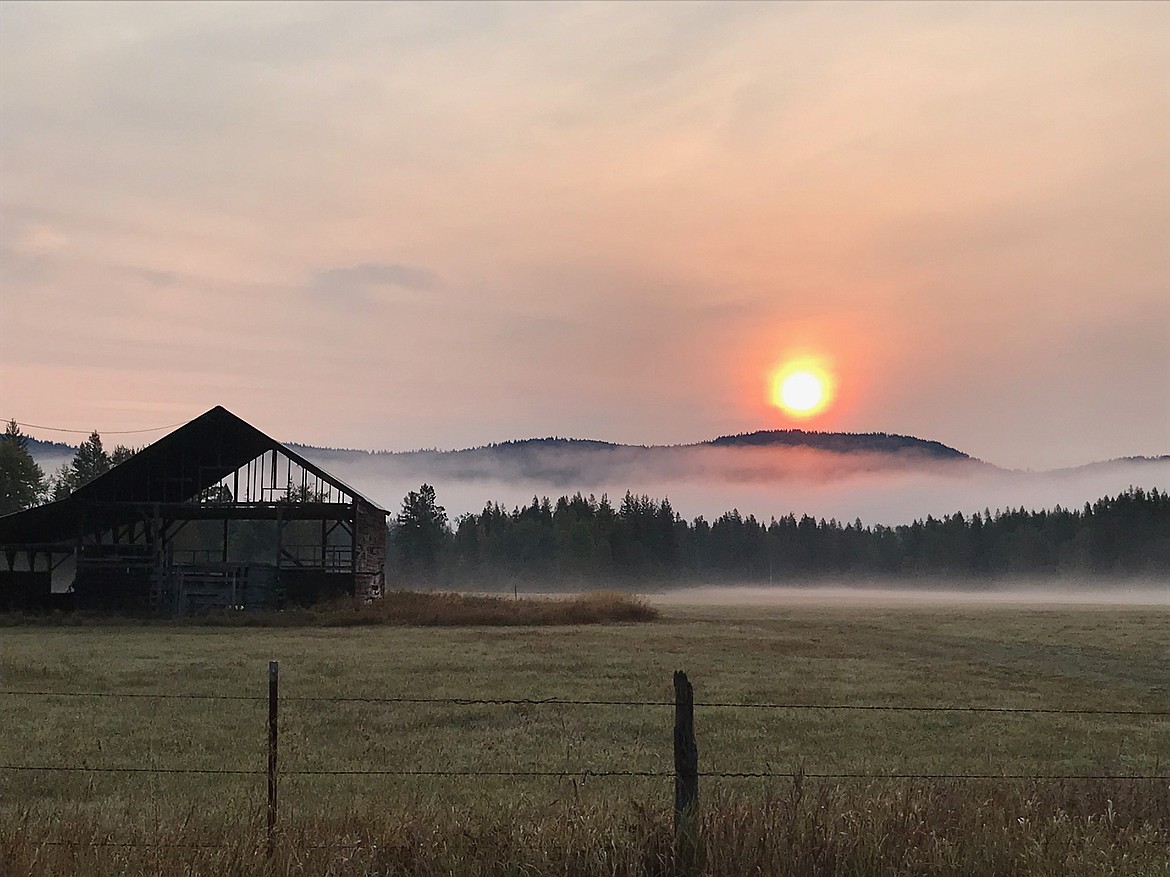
x,y
23,483
582,538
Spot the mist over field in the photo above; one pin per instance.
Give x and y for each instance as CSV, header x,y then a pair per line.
x,y
886,489
709,479
1018,592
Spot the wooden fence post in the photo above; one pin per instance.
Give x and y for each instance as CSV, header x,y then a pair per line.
x,y
686,777
273,683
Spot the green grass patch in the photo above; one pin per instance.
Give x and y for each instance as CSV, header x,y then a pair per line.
x,y
579,823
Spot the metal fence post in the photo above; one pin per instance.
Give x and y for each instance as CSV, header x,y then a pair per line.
x,y
273,697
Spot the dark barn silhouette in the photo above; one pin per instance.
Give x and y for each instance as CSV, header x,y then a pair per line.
x,y
214,515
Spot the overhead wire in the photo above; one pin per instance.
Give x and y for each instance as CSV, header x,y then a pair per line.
x,y
99,431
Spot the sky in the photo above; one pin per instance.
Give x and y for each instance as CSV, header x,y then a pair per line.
x,y
398,226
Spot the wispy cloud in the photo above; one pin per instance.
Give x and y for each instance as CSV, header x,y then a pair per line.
x,y
592,218
368,282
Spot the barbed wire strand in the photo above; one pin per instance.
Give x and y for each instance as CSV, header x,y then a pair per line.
x,y
124,844
117,769
143,694
586,773
349,845
555,701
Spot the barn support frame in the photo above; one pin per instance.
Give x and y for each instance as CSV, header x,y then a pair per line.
x,y
125,529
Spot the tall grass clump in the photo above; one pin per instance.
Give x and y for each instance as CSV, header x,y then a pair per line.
x,y
926,829
396,608
449,609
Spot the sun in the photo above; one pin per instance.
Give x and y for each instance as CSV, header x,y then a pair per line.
x,y
802,388
801,391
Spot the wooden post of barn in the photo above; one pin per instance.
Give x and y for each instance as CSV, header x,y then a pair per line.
x,y
686,777
273,686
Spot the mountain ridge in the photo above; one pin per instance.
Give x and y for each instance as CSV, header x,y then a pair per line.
x,y
844,443
839,442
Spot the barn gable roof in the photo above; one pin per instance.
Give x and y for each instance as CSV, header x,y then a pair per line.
x,y
174,469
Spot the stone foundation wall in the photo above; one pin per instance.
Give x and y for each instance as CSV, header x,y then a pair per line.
x,y
369,551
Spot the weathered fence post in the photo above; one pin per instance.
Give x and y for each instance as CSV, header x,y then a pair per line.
x,y
686,777
273,683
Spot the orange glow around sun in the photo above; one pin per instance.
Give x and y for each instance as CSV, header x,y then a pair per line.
x,y
802,388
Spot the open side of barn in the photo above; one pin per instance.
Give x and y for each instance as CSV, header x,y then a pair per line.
x,y
214,515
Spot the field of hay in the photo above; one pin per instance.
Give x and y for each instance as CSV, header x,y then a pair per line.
x,y
424,816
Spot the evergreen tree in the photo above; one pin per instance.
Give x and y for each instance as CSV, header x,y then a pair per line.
x,y
422,528
22,482
578,538
61,484
90,461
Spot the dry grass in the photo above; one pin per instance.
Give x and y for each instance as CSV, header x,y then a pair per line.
x,y
464,610
938,829
90,823
399,608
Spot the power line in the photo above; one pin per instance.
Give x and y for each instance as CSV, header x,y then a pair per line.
x,y
100,431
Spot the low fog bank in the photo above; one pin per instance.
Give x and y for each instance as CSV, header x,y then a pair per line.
x,y
885,489
51,457
877,488
1007,593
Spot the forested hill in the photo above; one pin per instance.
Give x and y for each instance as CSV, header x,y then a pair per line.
x,y
50,455
833,442
38,448
557,453
840,443
570,464
525,447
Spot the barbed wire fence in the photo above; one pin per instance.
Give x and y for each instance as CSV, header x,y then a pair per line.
x,y
686,772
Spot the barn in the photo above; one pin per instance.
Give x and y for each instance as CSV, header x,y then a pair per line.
x,y
214,516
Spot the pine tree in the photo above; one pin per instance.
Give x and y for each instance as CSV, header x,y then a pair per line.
x,y
22,481
422,528
90,461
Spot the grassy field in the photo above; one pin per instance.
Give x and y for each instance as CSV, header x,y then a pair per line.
x,y
1034,657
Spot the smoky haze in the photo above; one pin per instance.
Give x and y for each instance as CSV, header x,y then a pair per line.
x,y
886,594
707,480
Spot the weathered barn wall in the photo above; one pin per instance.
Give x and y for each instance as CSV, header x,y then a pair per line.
x,y
369,551
214,515
110,588
24,591
304,587
210,587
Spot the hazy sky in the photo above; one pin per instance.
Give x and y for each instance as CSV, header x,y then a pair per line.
x,y
400,226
